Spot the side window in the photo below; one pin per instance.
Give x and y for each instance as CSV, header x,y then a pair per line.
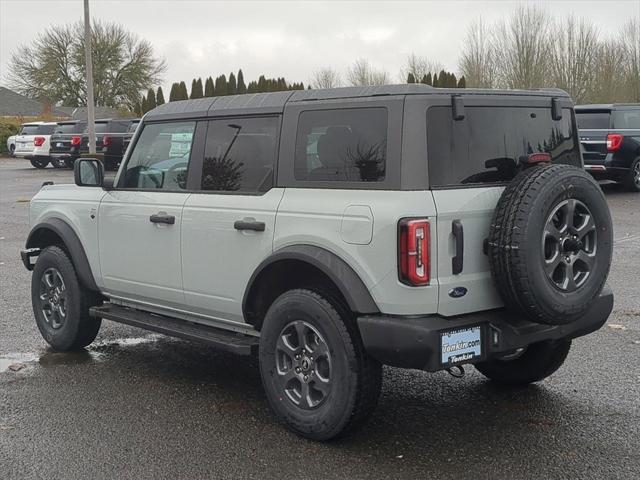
x,y
345,145
240,154
160,157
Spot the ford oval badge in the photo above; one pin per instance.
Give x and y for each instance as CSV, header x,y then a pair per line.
x,y
457,292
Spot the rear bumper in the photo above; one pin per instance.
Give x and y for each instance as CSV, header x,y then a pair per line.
x,y
414,342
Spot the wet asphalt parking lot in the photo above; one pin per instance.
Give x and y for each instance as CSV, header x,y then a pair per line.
x,y
139,405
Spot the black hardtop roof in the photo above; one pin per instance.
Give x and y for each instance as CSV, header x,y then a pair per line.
x,y
606,106
256,103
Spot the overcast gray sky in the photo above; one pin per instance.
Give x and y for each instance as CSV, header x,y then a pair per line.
x,y
294,38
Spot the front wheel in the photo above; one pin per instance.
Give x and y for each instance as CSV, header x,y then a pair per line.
x,y
536,363
58,163
39,162
60,304
318,379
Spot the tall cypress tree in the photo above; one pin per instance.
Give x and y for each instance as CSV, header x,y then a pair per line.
x,y
411,78
174,93
262,84
231,85
196,88
151,99
159,97
435,81
242,88
462,83
221,86
184,94
143,105
208,87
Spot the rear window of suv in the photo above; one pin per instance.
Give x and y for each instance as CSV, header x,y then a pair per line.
x,y
488,145
45,129
626,119
593,120
67,128
29,130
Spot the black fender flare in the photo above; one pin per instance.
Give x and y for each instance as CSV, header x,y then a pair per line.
x,y
339,272
72,243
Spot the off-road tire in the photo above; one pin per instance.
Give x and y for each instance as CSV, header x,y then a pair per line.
x,y
79,329
539,361
630,180
39,163
12,150
516,247
356,378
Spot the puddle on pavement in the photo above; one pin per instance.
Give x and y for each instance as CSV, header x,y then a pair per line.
x,y
93,353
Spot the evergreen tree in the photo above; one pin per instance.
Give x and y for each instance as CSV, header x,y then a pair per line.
x,y
151,100
221,86
427,79
242,88
262,84
196,89
183,93
159,97
174,93
231,85
208,88
436,81
462,83
411,78
453,81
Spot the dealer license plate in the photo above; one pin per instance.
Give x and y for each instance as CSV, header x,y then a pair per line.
x,y
461,346
59,144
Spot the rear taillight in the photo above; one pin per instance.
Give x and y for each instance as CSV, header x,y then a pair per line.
x,y
614,142
538,158
75,140
413,251
38,141
106,140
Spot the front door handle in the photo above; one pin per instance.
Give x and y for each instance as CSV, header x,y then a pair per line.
x,y
162,217
249,225
457,262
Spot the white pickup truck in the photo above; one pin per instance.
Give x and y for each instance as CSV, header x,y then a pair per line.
x,y
32,142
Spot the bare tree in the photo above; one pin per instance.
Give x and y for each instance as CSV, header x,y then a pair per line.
x,y
326,77
522,48
419,67
608,87
363,73
53,65
573,57
629,40
478,61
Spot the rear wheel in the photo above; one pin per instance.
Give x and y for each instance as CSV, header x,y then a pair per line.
x,y
39,162
60,304
318,379
58,163
536,363
12,150
632,181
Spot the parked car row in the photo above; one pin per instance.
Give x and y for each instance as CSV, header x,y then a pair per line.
x,y
61,143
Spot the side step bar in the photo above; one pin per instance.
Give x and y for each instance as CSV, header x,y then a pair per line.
x,y
173,327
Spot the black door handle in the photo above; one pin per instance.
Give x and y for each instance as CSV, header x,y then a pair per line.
x,y
458,235
249,225
162,218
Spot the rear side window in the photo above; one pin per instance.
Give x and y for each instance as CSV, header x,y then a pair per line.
x,y
345,145
626,119
489,143
46,129
593,120
29,130
160,158
239,154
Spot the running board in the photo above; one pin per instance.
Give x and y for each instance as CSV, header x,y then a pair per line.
x,y
173,327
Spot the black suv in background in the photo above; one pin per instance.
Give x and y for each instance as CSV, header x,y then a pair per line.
x,y
65,141
110,134
610,138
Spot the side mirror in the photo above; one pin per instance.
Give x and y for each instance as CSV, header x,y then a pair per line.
x,y
88,172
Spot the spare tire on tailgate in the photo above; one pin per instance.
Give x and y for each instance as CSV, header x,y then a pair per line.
x,y
550,243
